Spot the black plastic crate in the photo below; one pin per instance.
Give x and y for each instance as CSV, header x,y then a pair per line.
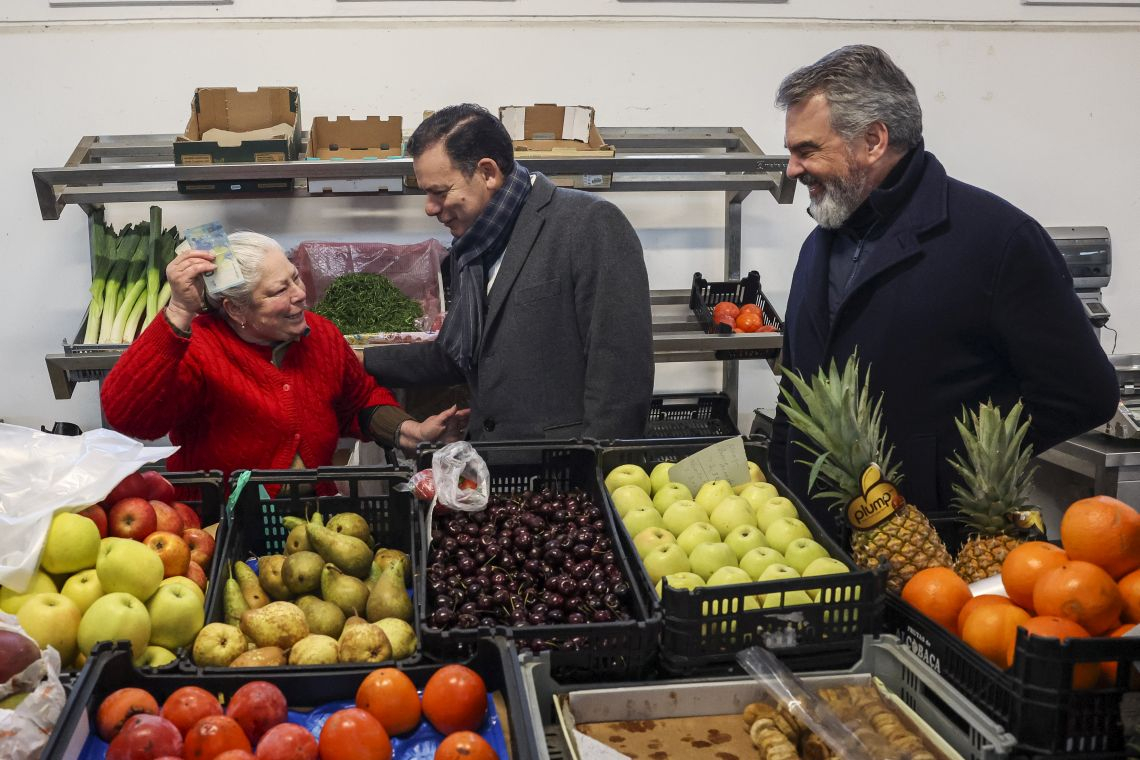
x,y
255,528
703,629
493,660
616,649
1035,699
685,415
705,295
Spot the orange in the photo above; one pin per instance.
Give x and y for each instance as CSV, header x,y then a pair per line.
x,y
1108,669
1104,531
938,593
1024,565
1130,592
990,630
981,600
1085,674
1081,592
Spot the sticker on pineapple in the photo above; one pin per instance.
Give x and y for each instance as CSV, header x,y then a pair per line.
x,y
879,502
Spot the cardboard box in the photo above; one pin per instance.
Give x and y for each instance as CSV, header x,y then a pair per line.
x,y
343,138
545,129
220,116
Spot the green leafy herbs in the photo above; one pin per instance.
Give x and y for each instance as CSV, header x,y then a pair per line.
x,y
368,303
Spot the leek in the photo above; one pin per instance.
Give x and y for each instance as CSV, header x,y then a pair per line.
x,y
163,256
153,275
103,261
134,286
128,244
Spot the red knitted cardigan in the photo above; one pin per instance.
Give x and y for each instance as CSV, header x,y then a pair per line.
x,y
228,407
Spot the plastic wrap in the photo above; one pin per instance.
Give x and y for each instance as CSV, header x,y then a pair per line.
x,y
24,731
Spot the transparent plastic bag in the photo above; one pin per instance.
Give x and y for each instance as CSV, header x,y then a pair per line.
x,y
25,729
458,479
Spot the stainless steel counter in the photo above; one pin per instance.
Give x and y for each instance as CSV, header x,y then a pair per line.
x,y
1113,465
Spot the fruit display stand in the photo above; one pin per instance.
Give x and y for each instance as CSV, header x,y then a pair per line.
x,y
310,697
256,528
951,721
1035,700
586,651
705,627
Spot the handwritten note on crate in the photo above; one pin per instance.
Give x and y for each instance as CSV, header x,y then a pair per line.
x,y
725,460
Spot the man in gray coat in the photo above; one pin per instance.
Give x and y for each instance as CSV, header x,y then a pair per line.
x,y
549,322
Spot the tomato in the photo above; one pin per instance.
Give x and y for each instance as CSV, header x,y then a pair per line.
x,y
188,705
391,697
750,307
119,706
423,485
353,734
465,745
749,322
725,319
767,328
725,309
212,736
287,741
455,699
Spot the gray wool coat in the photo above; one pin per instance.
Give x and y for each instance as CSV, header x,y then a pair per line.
x,y
566,350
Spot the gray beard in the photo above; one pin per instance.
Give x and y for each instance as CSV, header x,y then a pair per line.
x,y
840,198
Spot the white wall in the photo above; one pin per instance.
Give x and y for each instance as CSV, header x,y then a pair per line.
x,y
1037,104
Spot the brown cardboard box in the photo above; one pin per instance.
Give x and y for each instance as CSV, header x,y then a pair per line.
x,y
272,113
346,138
545,129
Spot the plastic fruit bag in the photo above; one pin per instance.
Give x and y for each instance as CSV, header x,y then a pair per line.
x,y
26,727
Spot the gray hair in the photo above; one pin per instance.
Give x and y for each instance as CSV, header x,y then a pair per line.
x,y
249,251
862,85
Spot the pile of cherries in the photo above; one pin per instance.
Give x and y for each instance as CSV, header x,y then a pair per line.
x,y
530,559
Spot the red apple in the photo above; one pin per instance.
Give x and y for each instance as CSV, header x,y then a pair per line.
x,y
158,487
201,545
132,517
98,516
195,573
190,518
257,707
132,485
144,737
167,517
172,550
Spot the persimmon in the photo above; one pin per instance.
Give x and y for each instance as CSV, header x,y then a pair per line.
x,y
1104,531
391,697
990,630
1024,565
1081,592
939,593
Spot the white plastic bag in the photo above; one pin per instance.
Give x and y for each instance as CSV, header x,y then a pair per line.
x,y
450,467
24,731
42,473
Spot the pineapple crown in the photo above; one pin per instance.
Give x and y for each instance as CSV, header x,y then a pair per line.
x,y
995,469
836,412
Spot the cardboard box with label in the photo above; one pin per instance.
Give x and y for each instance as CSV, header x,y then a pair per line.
x,y
343,138
229,126
545,130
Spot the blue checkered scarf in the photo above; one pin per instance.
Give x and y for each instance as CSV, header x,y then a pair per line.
x,y
471,254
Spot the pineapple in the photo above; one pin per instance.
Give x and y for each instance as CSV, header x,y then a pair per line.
x,y
996,476
845,426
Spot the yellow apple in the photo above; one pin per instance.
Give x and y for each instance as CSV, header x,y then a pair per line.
x,y
83,588
72,544
52,620
11,600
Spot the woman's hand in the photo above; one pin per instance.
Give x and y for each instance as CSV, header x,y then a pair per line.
x,y
187,290
448,426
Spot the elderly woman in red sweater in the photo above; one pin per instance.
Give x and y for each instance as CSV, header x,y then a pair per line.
x,y
251,380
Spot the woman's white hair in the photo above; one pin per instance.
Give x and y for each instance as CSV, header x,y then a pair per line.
x,y
249,251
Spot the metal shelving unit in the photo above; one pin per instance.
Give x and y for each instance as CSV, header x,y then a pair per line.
x,y
141,169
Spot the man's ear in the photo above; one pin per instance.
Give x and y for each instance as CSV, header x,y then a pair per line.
x,y
489,173
877,142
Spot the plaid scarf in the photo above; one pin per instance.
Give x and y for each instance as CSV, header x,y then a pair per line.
x,y
471,254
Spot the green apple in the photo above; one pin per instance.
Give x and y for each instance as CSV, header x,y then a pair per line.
x,y
156,657
52,620
682,514
176,616
783,531
670,494
637,520
778,571
11,600
757,494
128,566
651,538
787,599
628,474
182,580
728,576
755,475
696,534
629,497
712,493
773,509
682,580
706,559
117,615
72,544
745,538
666,559
731,513
756,561
83,588
659,476
828,566
802,552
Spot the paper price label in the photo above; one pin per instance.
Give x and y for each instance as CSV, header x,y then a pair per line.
x,y
721,461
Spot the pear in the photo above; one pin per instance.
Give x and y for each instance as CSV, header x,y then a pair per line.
x,y
351,524
348,553
289,522
360,642
261,657
317,519
346,592
323,617
301,572
315,649
384,557
251,589
269,576
400,635
298,540
388,597
233,602
277,624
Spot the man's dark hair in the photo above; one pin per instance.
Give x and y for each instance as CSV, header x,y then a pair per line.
x,y
469,134
862,85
